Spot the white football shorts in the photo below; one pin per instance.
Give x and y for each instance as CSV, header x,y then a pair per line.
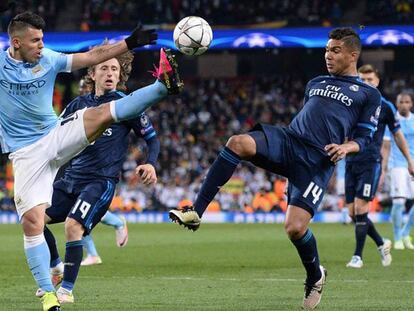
x,y
402,184
35,166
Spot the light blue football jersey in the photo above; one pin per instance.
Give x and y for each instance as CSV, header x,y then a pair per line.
x,y
26,95
396,158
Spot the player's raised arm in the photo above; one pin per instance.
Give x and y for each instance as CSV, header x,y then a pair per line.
x,y
138,38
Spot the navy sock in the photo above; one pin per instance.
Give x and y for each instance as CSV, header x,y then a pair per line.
x,y
308,253
51,243
361,230
373,233
219,173
73,258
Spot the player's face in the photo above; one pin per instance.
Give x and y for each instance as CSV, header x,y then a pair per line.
x,y
106,76
404,104
29,44
370,78
340,60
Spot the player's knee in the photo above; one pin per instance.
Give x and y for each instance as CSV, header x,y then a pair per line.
x,y
73,230
295,230
243,145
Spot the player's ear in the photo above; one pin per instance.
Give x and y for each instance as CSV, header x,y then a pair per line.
x,y
15,42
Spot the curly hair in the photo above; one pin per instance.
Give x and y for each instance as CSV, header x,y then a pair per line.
x,y
124,61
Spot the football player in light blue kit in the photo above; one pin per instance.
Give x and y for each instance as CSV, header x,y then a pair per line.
x,y
38,141
402,184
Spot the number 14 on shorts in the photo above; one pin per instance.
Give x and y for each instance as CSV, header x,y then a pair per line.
x,y
315,190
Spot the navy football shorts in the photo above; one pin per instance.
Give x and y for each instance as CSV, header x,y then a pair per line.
x,y
307,168
86,202
361,180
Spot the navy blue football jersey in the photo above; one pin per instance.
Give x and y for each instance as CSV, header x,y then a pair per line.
x,y
336,108
372,152
104,157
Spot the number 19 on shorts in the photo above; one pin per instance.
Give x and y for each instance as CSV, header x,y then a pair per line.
x,y
83,208
315,190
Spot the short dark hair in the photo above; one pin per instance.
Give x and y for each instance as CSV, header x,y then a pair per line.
x,y
368,68
348,36
25,20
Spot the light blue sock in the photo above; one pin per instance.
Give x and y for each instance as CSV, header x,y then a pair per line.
x,y
410,223
397,217
113,220
38,259
89,245
137,102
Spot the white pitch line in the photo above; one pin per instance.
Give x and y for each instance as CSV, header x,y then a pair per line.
x,y
189,278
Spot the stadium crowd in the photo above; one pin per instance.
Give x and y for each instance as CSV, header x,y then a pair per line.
x,y
124,14
211,110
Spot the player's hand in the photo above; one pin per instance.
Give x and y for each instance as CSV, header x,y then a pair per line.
x,y
337,152
4,5
140,37
146,173
411,169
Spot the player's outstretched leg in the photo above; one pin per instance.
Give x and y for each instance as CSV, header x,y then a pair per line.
x,y
131,106
218,174
167,72
407,229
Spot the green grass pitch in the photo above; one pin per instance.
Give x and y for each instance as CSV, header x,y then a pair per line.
x,y
219,267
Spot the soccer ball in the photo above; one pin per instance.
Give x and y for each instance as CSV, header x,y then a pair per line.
x,y
192,35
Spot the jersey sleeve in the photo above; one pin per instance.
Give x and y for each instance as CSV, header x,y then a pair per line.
x,y
393,123
142,127
368,119
387,135
61,62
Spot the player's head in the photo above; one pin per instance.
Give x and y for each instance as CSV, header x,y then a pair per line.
x,y
84,88
110,75
26,36
404,103
369,74
342,51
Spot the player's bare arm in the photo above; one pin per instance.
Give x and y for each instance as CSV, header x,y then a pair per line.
x,y
339,152
138,38
403,146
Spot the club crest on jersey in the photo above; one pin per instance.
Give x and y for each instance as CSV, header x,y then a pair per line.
x,y
144,120
37,69
354,88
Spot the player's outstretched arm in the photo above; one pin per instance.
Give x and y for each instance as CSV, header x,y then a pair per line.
x,y
403,146
138,38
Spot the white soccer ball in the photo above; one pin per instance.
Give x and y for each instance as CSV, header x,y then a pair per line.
x,y
192,35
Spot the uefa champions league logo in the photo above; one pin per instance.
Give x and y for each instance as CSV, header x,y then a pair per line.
x,y
257,39
390,36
